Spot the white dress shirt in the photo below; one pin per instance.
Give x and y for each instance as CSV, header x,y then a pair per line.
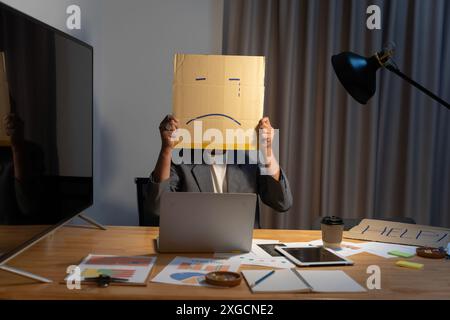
x,y
218,175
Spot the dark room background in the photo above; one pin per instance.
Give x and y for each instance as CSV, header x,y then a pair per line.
x,y
387,159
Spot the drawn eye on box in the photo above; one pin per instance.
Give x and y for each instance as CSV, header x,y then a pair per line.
x,y
239,84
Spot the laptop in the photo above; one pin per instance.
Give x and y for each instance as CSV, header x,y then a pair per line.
x,y
206,222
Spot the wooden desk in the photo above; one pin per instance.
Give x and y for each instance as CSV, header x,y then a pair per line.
x,y
69,245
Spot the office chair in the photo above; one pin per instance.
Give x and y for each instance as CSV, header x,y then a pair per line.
x,y
145,218
351,222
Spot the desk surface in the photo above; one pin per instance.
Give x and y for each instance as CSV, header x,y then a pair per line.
x,y
68,245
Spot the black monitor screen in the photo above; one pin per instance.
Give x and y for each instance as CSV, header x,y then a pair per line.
x,y
45,127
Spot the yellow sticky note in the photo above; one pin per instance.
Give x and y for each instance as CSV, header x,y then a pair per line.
x,y
407,264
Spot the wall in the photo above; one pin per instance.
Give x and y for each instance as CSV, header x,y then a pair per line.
x,y
53,12
134,43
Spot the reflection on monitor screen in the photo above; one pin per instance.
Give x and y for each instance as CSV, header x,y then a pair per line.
x,y
45,127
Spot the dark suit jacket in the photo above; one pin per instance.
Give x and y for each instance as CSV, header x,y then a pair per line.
x,y
241,178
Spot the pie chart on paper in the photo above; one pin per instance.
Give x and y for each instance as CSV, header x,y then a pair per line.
x,y
188,277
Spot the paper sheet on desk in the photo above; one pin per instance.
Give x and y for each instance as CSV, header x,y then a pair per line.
x,y
135,269
381,249
273,262
331,281
347,248
376,248
288,281
258,256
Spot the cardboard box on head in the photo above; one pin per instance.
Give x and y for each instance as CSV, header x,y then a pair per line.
x,y
215,96
4,101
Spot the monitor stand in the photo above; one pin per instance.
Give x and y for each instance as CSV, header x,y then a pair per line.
x,y
91,221
29,275
23,273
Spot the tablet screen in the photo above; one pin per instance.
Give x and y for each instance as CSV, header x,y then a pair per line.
x,y
313,254
270,248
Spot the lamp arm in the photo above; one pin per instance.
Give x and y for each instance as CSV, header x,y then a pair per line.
x,y
417,85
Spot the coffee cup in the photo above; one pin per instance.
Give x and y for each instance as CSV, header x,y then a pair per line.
x,y
332,229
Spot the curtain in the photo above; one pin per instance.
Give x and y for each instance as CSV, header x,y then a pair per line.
x,y
387,159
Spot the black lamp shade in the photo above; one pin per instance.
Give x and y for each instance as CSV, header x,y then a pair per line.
x,y
357,74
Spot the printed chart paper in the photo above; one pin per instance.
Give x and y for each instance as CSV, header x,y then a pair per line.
x,y
192,271
135,269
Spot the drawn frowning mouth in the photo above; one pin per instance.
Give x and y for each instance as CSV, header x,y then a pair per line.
x,y
214,115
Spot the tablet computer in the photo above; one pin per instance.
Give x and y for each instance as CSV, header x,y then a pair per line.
x,y
313,256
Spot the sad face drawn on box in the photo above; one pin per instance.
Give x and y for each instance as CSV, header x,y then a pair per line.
x,y
219,95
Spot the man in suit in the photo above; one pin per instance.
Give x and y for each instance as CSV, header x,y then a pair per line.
x,y
272,186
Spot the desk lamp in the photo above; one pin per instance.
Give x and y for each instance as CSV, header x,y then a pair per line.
x,y
358,74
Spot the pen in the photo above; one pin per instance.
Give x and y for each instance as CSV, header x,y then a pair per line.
x,y
302,279
104,280
262,279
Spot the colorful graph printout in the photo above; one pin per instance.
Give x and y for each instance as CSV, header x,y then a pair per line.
x,y
131,261
114,273
202,266
191,271
135,269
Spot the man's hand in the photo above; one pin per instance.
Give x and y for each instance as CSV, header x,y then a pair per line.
x,y
266,134
167,128
14,128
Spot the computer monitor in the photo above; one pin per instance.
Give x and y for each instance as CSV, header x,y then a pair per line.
x,y
46,167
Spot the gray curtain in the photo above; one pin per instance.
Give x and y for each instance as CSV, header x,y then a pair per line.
x,y
388,159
